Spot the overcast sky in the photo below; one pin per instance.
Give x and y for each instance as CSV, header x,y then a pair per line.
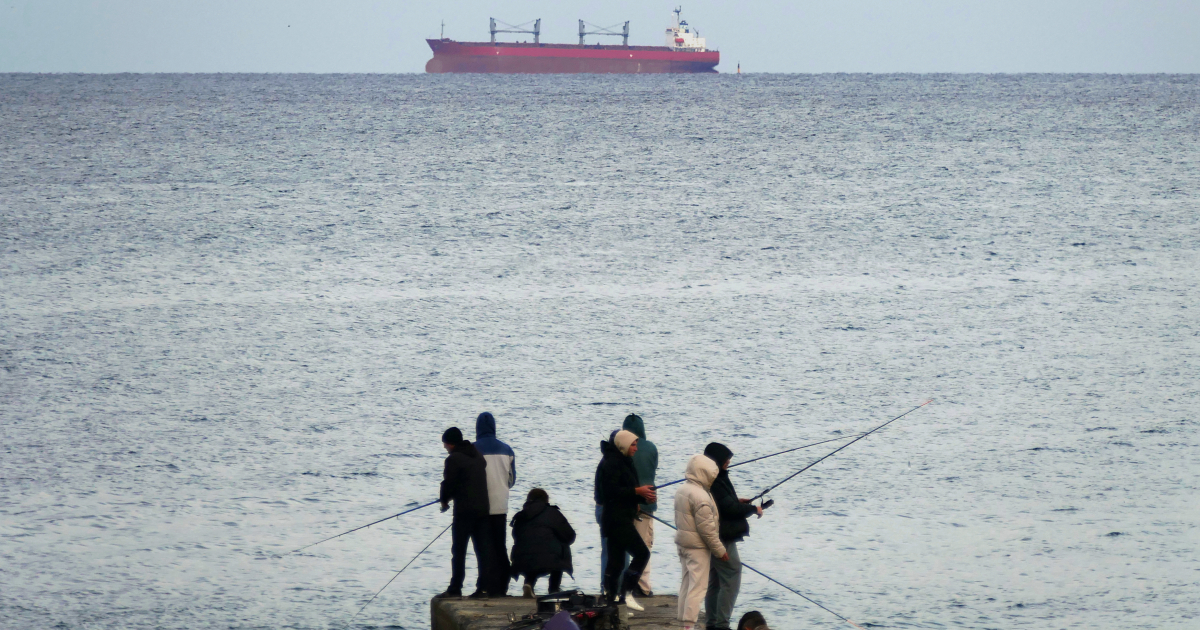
x,y
764,36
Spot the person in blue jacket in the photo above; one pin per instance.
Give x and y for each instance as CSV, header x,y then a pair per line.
x,y
501,475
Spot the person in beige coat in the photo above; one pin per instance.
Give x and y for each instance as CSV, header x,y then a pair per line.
x,y
696,539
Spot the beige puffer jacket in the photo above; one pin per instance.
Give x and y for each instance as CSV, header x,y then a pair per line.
x,y
695,510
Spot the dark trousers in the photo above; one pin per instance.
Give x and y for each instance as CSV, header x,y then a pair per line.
x,y
724,582
604,547
623,539
498,531
555,581
473,528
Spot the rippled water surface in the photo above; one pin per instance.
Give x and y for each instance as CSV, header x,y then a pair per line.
x,y
237,312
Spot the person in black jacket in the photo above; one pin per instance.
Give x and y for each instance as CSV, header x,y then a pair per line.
x,y
542,540
605,447
620,494
464,481
725,576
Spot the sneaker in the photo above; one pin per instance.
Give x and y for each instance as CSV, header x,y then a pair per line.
x,y
450,593
632,604
637,590
527,591
478,594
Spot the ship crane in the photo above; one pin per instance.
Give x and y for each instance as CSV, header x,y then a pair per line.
x,y
537,29
604,30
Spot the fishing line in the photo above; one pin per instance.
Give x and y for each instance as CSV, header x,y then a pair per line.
x,y
760,494
364,607
806,597
364,526
843,437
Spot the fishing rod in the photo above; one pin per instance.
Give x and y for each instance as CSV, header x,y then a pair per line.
x,y
365,526
364,607
760,494
806,597
843,437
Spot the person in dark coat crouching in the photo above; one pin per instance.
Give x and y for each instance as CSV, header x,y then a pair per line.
x,y
464,481
542,540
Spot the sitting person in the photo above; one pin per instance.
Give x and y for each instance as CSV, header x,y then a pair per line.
x,y
542,540
752,620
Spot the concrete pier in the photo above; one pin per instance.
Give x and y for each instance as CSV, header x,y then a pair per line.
x,y
494,614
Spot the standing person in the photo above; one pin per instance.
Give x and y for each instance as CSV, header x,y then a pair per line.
x,y
501,475
621,494
464,481
542,539
725,576
605,447
697,539
645,462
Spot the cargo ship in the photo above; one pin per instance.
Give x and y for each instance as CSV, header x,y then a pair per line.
x,y
684,52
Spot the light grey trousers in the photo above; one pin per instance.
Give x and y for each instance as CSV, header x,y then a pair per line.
x,y
724,582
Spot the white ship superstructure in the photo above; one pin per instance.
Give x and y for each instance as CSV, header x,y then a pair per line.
x,y
683,38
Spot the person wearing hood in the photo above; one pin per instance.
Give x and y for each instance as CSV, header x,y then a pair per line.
x,y
542,539
464,481
725,576
697,538
501,475
621,494
645,462
605,447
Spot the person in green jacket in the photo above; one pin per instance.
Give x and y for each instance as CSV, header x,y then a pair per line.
x,y
645,462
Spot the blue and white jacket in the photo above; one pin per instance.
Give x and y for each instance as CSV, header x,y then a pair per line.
x,y
501,463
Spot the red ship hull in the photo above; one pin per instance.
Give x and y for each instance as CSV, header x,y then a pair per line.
x,y
510,58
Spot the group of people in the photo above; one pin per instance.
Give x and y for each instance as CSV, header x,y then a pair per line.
x,y
710,520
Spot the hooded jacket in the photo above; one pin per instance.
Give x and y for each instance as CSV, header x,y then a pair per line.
x,y
605,447
645,460
464,480
615,483
695,510
732,513
542,540
502,462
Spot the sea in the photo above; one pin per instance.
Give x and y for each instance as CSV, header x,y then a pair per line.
x,y
238,311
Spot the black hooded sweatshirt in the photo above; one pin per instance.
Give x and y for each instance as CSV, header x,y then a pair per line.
x,y
605,447
733,525
464,480
616,479
542,540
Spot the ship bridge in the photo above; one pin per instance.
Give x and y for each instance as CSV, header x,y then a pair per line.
x,y
684,38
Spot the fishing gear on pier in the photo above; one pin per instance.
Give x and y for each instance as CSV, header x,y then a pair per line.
x,y
365,526
414,559
806,597
748,461
834,452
